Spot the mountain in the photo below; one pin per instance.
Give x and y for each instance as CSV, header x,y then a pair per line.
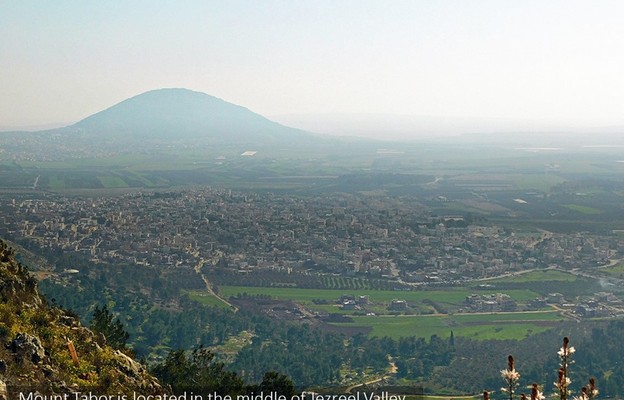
x,y
36,355
182,114
154,123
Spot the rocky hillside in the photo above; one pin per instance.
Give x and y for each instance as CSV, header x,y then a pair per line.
x,y
45,350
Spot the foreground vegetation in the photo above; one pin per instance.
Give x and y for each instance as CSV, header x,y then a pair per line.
x,y
46,350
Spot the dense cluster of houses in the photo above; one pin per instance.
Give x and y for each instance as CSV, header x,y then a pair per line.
x,y
359,235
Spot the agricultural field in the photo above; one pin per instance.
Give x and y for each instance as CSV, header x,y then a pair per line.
x,y
477,326
583,209
616,271
423,317
448,297
540,182
513,187
550,280
111,181
536,276
205,298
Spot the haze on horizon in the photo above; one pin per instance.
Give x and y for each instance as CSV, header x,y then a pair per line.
x,y
474,65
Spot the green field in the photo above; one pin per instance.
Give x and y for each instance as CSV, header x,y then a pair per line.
x,y
478,326
617,270
583,209
497,325
56,183
110,181
451,296
541,182
206,299
536,276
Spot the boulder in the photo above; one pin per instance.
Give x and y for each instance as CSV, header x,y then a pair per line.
x,y
136,373
27,347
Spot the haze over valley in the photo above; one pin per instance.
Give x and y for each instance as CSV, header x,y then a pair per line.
x,y
278,201
211,210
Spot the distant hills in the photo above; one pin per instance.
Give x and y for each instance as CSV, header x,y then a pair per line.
x,y
157,121
452,129
168,121
185,114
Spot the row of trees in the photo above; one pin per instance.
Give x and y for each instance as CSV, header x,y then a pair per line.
x,y
261,278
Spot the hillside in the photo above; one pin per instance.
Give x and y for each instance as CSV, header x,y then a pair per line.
x,y
35,355
182,114
169,122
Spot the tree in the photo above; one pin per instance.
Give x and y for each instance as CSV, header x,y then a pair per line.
x,y
113,330
175,370
198,372
276,382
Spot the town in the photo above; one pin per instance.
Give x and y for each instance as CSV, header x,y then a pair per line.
x,y
394,239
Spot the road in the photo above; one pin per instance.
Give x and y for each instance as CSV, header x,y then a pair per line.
x,y
211,292
34,186
392,371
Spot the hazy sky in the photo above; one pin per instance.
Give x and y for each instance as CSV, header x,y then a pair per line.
x,y
541,60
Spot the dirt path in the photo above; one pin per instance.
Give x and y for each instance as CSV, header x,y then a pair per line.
x,y
392,371
198,268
